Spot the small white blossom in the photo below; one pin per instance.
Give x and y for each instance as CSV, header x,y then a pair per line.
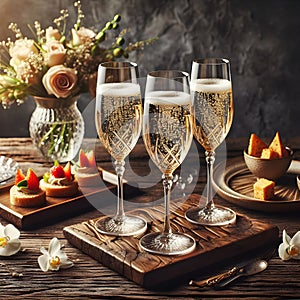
x,y
9,240
290,247
54,258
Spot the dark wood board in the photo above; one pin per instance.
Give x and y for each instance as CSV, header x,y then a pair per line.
x,y
234,182
56,209
215,245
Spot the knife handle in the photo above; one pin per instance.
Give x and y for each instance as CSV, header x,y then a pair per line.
x,y
225,281
214,279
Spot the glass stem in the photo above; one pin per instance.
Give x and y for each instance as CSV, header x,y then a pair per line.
x,y
210,159
167,183
119,167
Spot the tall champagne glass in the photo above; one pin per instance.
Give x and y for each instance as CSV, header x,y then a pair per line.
x,y
211,91
167,134
119,122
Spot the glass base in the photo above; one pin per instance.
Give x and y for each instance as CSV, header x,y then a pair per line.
x,y
128,226
167,244
216,216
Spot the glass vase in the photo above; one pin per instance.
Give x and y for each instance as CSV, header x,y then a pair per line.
x,y
57,128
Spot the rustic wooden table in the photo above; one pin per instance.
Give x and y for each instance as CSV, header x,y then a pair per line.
x,y
90,279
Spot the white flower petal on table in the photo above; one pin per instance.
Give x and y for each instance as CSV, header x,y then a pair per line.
x,y
282,252
3,251
54,258
2,230
54,247
296,239
67,264
54,268
62,255
44,251
11,231
290,247
64,260
43,261
13,246
285,238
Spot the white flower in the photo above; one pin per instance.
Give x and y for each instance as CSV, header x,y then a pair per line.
x,y
52,34
9,240
56,53
21,50
290,247
54,258
82,35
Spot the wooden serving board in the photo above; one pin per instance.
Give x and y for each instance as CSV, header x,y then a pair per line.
x,y
234,182
56,209
215,246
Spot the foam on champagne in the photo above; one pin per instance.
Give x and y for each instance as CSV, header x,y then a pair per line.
x,y
117,89
211,85
168,97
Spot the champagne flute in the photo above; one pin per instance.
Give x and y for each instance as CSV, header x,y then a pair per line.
x,y
211,91
167,134
119,122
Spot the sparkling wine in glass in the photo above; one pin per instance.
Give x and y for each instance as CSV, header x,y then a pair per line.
x,y
211,91
167,134
119,122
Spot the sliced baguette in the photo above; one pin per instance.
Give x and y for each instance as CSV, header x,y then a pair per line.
x,y
21,199
59,191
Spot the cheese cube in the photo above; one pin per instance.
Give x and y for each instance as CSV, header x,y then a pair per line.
x,y
256,145
269,154
277,146
264,189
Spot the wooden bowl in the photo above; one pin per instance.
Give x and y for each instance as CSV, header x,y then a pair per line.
x,y
270,169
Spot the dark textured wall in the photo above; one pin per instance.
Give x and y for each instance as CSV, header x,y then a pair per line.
x,y
260,37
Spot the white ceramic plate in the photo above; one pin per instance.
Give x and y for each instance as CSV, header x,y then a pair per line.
x,y
8,169
235,182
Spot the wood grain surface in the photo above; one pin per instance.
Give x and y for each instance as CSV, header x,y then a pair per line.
x,y
89,279
235,183
214,245
53,210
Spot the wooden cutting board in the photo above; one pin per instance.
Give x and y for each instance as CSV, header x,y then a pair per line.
x,y
56,209
215,246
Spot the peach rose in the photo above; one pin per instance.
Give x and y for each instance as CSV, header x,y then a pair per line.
x,y
60,81
52,34
21,50
81,36
56,53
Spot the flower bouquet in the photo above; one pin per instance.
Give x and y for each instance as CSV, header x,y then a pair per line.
x,y
57,65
